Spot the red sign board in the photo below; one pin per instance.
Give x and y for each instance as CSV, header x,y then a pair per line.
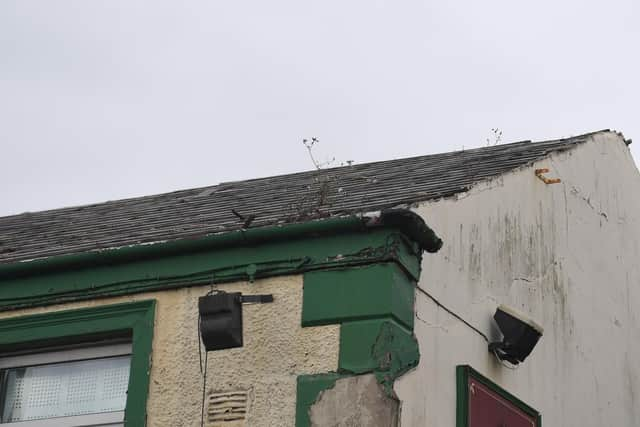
x,y
488,409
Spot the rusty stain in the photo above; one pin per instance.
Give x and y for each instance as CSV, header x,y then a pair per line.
x,y
539,173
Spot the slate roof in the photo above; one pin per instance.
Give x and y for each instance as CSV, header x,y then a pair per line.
x,y
260,202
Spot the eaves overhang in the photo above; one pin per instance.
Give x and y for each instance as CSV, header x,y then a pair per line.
x,y
349,241
406,221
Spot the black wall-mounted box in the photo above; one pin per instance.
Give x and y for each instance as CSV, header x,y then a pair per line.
x,y
221,320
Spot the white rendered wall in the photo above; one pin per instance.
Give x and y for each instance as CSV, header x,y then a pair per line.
x,y
566,254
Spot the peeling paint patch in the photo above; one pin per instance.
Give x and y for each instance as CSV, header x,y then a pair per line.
x,y
379,346
354,401
308,389
374,304
396,352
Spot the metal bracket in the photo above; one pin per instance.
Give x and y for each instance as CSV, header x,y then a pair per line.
x,y
498,348
256,299
539,173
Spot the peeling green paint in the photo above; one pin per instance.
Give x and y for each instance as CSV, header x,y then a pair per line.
x,y
381,346
357,340
375,306
395,352
309,388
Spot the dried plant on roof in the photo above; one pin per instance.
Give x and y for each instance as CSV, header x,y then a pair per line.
x,y
321,192
495,138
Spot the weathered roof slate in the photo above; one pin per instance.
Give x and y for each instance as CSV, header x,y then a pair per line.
x,y
260,202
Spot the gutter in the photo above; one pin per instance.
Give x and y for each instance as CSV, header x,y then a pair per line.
x,y
409,223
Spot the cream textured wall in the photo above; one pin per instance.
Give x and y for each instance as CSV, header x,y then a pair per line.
x,y
276,350
567,255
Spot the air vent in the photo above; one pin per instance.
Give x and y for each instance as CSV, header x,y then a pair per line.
x,y
229,407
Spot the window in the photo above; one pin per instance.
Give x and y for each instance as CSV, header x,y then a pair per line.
x,y
81,386
86,367
482,403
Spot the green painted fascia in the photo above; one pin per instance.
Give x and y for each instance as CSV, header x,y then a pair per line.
x,y
463,372
85,325
244,237
405,222
217,265
358,293
381,346
309,388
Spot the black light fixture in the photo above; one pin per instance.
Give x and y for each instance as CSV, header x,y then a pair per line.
x,y
520,335
221,318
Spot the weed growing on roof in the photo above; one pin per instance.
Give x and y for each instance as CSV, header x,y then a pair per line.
x,y
323,189
495,138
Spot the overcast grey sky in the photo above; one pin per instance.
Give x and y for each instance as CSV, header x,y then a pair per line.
x,y
109,99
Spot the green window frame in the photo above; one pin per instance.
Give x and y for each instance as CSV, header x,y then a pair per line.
x,y
85,325
463,373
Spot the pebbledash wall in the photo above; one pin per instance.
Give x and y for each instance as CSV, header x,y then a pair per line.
x,y
341,321
565,254
276,350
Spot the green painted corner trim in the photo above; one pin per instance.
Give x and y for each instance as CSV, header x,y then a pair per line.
x,y
382,346
358,293
396,352
463,373
357,341
134,319
307,391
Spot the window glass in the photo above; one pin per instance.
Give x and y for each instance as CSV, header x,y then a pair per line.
x,y
65,389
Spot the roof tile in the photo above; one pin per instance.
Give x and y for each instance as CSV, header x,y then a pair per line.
x,y
285,198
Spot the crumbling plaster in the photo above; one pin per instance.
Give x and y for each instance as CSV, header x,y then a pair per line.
x,y
567,255
354,401
276,350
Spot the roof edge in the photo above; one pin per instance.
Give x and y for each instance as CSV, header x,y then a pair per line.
x,y
409,223
413,226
